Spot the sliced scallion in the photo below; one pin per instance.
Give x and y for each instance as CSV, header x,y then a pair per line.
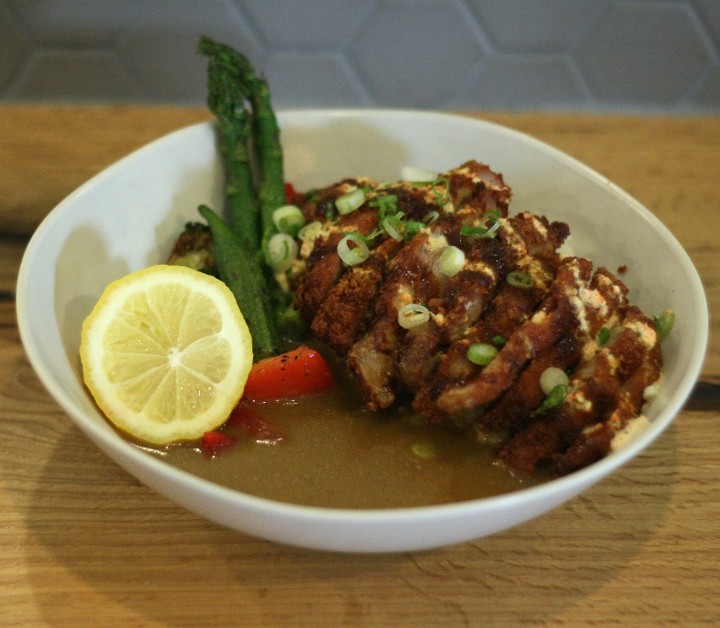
x,y
350,201
552,377
492,230
393,226
481,353
519,279
413,315
417,175
353,249
288,219
664,323
480,232
281,251
412,227
423,450
310,231
386,203
603,336
555,397
450,261
441,197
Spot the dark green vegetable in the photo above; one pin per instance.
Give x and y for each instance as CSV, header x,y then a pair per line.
x,y
664,323
227,102
236,69
519,279
244,276
241,103
555,397
604,336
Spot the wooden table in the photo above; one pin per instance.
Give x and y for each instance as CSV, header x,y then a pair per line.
x,y
84,543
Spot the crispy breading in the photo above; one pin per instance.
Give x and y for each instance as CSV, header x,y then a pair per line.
x,y
560,313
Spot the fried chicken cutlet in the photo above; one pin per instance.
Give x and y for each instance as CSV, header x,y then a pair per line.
x,y
411,280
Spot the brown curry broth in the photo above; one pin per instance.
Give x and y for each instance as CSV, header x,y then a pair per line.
x,y
337,453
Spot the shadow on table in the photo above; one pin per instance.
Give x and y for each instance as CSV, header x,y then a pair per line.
x,y
146,558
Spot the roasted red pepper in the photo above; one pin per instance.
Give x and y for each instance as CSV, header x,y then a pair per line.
x,y
213,442
296,373
257,428
290,194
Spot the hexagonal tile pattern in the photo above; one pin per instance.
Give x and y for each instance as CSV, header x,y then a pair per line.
x,y
76,23
708,94
311,79
646,54
15,46
71,75
524,26
160,46
414,53
659,56
305,24
540,82
709,12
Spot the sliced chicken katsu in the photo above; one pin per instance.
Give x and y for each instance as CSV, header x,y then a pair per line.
x,y
440,300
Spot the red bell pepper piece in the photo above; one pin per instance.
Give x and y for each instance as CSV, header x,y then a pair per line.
x,y
296,373
290,194
212,443
257,428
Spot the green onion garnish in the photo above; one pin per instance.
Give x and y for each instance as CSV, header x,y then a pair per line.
x,y
386,203
473,231
417,175
603,336
664,323
355,254
310,231
481,353
481,232
423,450
413,315
441,197
499,341
281,251
450,261
393,226
551,378
555,397
411,228
519,279
350,201
288,219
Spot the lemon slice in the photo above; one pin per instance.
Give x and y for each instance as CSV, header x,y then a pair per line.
x,y
166,353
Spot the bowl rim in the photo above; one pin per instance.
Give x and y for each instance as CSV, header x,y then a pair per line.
x,y
582,478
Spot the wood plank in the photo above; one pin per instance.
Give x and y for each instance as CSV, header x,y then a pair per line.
x,y
84,543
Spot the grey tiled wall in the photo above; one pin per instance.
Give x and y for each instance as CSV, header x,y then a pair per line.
x,y
656,56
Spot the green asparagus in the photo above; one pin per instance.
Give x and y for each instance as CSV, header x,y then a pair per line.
x,y
240,102
227,102
237,68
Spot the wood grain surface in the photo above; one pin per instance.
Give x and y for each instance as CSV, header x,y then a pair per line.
x,y
84,543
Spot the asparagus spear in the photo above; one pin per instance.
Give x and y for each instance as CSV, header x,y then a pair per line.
x,y
235,67
231,82
227,102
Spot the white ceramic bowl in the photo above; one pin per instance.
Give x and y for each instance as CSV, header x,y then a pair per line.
x,y
127,217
